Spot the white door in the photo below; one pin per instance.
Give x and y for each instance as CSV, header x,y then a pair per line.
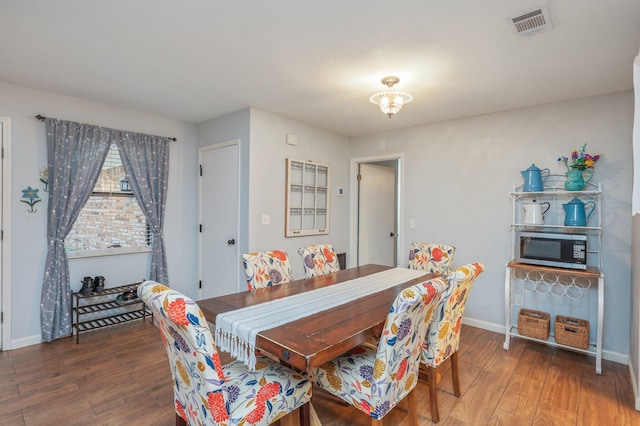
x,y
376,215
5,231
218,216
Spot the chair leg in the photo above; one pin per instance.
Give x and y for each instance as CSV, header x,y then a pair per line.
x,y
413,407
305,414
433,395
454,374
180,421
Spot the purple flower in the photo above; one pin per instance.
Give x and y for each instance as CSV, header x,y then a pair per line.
x,y
179,341
382,409
308,260
405,327
233,392
366,372
276,277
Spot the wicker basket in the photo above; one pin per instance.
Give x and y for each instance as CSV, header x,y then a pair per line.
x,y
572,332
533,324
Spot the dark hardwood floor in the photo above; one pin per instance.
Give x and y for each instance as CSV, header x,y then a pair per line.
x,y
120,376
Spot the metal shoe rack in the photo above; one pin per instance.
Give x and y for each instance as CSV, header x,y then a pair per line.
x,y
97,311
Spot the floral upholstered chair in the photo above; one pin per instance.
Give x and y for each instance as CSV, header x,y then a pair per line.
x,y
264,269
435,258
443,335
206,392
319,259
376,380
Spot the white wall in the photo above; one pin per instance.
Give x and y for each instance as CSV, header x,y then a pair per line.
x,y
458,176
28,243
267,183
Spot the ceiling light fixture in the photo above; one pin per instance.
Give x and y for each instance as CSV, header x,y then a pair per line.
x,y
390,102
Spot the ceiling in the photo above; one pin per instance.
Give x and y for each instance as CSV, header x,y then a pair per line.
x,y
317,62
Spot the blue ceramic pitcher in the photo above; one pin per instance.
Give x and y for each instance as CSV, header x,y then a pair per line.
x,y
575,212
533,179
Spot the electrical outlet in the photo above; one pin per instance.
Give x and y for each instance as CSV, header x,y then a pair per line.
x,y
518,300
266,219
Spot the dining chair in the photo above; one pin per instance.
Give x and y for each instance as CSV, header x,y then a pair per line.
x,y
208,393
435,258
443,335
375,380
319,259
264,269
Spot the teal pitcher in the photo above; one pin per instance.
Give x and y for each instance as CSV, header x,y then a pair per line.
x,y
533,179
575,212
577,179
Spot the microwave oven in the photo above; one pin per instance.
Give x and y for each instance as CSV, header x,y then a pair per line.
x,y
551,249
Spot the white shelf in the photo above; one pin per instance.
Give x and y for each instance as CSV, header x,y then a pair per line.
x,y
307,199
558,291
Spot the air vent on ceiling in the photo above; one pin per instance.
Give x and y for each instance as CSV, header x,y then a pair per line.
x,y
532,21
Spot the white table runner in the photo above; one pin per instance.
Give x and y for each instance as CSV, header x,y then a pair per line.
x,y
236,330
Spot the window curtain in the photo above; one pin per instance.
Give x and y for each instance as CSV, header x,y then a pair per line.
x,y
76,153
145,160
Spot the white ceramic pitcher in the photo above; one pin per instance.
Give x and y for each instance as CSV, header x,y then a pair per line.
x,y
534,213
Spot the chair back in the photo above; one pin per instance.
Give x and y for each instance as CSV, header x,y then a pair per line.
x,y
435,258
195,364
319,259
443,335
264,269
395,371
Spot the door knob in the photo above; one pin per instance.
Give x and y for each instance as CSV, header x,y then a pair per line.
x,y
392,234
231,242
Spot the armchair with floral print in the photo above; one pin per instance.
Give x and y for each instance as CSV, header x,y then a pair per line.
x,y
206,392
376,380
264,269
435,258
319,259
443,335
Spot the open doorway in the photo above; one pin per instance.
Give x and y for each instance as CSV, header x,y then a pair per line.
x,y
376,211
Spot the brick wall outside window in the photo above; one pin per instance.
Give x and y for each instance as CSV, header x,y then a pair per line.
x,y
109,220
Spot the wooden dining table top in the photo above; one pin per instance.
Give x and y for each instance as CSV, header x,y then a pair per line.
x,y
313,340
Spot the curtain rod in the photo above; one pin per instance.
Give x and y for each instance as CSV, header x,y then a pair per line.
x,y
42,118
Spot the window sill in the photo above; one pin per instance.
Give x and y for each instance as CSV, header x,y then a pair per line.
x,y
116,251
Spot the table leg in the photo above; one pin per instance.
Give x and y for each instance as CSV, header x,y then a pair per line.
x,y
315,420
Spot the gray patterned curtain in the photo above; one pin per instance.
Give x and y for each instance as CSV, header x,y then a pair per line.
x,y
145,160
76,153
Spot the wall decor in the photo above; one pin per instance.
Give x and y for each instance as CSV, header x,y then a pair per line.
x,y
32,198
307,200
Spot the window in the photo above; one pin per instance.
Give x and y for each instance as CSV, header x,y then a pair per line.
x,y
112,217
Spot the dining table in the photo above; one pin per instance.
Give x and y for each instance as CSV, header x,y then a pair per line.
x,y
314,339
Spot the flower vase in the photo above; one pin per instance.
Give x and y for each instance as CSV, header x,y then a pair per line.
x,y
576,180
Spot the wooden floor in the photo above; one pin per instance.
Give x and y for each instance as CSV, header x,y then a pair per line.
x,y
121,376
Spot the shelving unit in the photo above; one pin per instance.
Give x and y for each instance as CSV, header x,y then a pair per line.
x,y
558,291
97,311
307,198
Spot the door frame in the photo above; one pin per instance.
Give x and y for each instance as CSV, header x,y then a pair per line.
x,y
353,203
5,225
219,145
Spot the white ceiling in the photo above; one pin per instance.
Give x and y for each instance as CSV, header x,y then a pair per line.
x,y
317,62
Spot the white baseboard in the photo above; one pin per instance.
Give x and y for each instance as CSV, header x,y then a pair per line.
x,y
26,341
608,355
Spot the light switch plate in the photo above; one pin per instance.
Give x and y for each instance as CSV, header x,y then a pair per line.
x,y
266,219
